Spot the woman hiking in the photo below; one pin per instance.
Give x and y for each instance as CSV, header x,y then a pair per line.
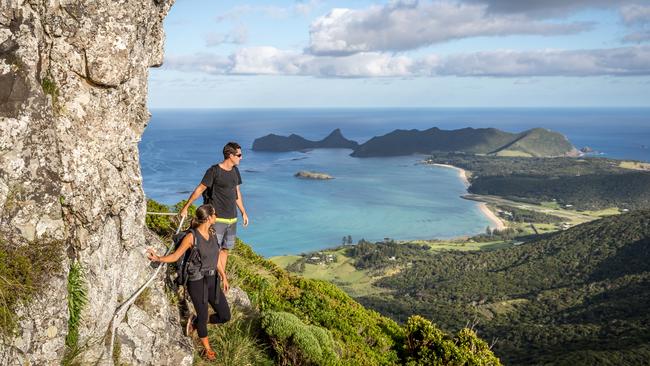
x,y
202,282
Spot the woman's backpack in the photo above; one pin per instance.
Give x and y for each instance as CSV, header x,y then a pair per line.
x,y
190,261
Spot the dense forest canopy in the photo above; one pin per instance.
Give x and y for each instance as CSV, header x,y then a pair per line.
x,y
573,296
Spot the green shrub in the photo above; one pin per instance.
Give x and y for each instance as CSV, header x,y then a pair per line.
x,y
297,343
474,350
191,211
426,345
162,225
365,337
166,225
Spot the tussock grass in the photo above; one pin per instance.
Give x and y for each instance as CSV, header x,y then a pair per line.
x,y
22,269
236,343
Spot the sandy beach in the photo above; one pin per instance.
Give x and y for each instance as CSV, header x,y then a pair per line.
x,y
498,223
462,174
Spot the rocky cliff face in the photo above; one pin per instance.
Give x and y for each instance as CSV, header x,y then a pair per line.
x,y
73,84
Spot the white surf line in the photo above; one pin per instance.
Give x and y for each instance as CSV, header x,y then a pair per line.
x,y
462,174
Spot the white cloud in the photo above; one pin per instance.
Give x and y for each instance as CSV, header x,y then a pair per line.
x,y
637,18
547,8
366,65
239,35
299,8
625,61
306,7
201,62
405,25
241,10
272,61
635,14
637,36
266,61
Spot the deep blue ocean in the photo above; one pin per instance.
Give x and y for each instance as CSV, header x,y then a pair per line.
x,y
370,198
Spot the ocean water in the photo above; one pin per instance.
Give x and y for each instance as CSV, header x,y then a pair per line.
x,y
370,198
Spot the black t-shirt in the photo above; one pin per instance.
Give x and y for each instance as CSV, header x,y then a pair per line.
x,y
224,190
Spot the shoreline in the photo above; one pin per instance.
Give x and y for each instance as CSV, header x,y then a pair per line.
x,y
483,207
492,216
462,173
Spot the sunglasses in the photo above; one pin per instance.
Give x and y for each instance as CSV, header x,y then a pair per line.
x,y
237,155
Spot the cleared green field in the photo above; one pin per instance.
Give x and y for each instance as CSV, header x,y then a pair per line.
x,y
361,282
550,204
284,260
574,217
463,245
513,153
602,213
545,228
342,273
635,165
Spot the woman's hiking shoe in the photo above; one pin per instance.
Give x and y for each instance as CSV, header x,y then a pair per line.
x,y
209,354
189,328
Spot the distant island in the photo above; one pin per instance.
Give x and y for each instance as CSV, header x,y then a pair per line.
x,y
293,142
537,142
304,174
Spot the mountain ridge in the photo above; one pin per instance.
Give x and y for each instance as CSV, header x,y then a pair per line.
x,y
535,142
294,142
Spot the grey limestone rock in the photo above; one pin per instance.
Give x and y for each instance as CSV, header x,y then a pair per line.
x,y
238,297
73,85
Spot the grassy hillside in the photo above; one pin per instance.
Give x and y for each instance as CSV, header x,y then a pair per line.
x,y
576,296
536,142
309,322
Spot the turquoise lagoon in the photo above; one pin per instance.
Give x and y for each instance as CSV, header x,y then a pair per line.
x,y
370,198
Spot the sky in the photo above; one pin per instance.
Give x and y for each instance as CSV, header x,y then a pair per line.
x,y
378,54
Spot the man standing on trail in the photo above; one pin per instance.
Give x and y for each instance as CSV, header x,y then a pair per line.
x,y
220,188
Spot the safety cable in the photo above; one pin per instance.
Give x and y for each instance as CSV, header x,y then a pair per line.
x,y
121,310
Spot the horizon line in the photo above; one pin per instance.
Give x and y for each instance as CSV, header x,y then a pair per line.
x,y
391,107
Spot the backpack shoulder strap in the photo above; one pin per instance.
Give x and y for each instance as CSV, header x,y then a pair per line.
x,y
207,194
195,246
193,232
218,171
